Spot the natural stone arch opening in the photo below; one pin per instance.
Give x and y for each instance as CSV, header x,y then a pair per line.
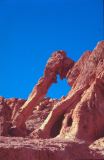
x,y
58,64
59,89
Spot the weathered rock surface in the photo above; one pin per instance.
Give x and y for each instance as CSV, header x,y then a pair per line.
x,y
70,128
36,149
98,147
8,108
88,75
39,114
5,117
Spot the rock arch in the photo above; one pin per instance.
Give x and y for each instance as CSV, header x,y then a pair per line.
x,y
86,97
60,64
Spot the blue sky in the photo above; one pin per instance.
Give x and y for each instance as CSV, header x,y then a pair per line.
x,y
30,30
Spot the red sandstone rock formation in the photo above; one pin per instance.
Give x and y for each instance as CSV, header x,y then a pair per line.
x,y
72,123
8,108
14,148
57,64
5,117
86,98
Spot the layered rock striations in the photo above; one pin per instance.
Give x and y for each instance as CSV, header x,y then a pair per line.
x,y
76,120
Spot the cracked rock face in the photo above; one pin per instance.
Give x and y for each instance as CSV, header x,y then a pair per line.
x,y
68,128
